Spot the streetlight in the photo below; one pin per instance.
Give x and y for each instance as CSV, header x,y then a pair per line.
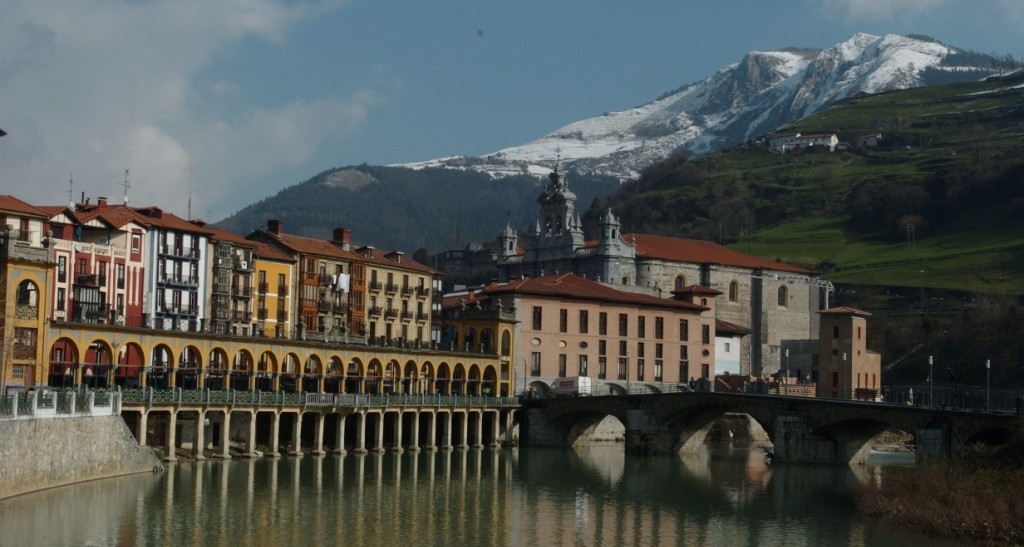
x,y
988,384
787,372
931,383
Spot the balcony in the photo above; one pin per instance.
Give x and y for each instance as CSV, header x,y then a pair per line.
x,y
391,288
407,290
282,290
391,313
242,316
420,316
261,314
375,311
262,288
376,286
241,291
323,306
241,264
339,308
88,280
422,292
406,316
282,316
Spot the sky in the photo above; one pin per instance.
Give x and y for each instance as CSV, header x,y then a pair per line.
x,y
206,106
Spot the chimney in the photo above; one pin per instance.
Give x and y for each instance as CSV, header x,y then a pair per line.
x,y
101,201
274,227
343,236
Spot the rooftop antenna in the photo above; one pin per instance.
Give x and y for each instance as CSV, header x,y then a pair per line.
x,y
71,194
126,186
190,186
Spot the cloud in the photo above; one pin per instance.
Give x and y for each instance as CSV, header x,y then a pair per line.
x,y
94,87
876,11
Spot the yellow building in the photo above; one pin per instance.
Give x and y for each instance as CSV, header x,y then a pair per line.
x,y
275,270
25,266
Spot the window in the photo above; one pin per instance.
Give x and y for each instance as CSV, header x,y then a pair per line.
x,y
584,319
583,365
641,327
680,282
602,323
602,347
858,333
835,331
734,292
705,371
684,330
537,317
783,297
658,366
136,243
535,364
705,334
61,299
62,267
623,324
639,369
563,320
562,365
623,347
120,276
659,328
602,367
728,348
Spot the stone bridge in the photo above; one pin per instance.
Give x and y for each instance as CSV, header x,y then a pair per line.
x,y
802,430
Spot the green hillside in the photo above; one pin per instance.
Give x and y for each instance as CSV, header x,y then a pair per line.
x,y
938,203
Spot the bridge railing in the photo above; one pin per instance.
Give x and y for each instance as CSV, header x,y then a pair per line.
x,y
180,397
62,403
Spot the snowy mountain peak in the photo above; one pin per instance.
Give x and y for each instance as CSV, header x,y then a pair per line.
x,y
739,102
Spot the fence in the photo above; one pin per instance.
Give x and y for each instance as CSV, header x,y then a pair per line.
x,y
59,404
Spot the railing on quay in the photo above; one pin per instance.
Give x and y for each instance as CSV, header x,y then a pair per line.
x,y
150,396
60,403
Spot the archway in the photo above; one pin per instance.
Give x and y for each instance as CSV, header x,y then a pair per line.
x,y
266,369
354,377
444,379
334,380
289,375
490,384
473,386
161,361
312,371
242,371
427,386
128,365
459,380
98,364
187,374
216,372
64,363
409,383
373,377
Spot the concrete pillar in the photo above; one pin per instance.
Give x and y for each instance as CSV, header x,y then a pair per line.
x,y
143,426
432,431
378,435
172,438
360,433
275,435
318,434
414,443
250,441
297,436
495,430
340,434
446,439
398,433
479,429
199,436
225,436
464,431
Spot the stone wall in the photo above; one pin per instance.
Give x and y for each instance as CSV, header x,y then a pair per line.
x,y
44,453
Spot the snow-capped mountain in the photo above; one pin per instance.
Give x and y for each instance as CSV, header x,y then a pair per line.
x,y
738,103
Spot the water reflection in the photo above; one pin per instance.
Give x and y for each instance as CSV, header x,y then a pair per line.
x,y
595,496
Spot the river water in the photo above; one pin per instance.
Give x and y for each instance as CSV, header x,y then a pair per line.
x,y
725,495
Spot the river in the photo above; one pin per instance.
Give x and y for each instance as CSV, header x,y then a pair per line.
x,y
725,495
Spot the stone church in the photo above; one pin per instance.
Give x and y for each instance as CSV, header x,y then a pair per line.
x,y
777,302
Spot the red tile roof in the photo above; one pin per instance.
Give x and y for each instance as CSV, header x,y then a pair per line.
x,y
270,252
698,251
573,286
12,204
730,328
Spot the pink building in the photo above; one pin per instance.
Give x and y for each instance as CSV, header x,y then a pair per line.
x,y
570,326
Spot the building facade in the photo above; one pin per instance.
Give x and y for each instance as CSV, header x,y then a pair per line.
x,y
847,369
566,325
776,302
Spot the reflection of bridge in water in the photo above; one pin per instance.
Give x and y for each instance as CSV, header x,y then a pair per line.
x,y
251,423
805,430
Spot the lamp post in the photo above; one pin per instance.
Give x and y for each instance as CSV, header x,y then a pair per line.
x,y
787,372
931,382
627,371
988,384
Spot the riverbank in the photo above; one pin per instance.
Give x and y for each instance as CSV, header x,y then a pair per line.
x,y
976,497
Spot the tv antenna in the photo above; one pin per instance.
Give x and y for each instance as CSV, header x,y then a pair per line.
x,y
126,186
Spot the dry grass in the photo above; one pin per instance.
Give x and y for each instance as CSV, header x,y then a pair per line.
x,y
970,498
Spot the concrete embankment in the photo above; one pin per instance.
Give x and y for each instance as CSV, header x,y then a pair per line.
x,y
45,453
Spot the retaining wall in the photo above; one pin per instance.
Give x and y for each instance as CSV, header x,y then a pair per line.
x,y
43,453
